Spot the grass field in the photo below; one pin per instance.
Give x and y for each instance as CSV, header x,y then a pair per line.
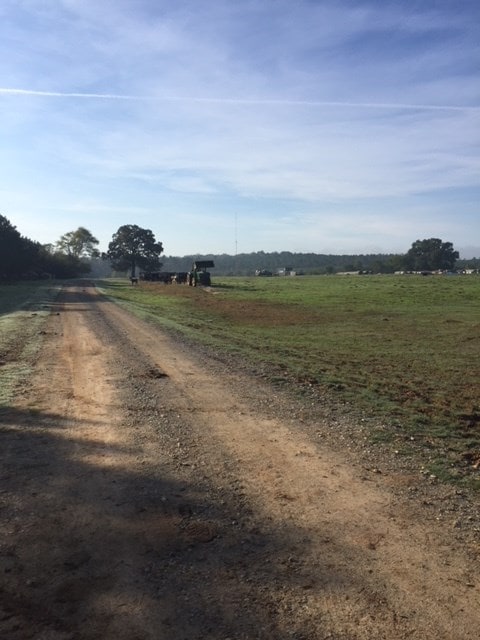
x,y
24,309
405,349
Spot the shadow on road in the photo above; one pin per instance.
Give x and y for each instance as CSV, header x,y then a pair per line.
x,y
96,551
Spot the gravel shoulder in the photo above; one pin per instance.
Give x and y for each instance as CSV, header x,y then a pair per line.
x,y
150,490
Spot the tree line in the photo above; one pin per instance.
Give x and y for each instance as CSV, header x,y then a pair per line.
x,y
424,255
74,253
23,258
133,248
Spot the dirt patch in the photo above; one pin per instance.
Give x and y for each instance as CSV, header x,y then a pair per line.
x,y
151,492
254,313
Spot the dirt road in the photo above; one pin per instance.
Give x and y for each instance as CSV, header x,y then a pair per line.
x,y
148,492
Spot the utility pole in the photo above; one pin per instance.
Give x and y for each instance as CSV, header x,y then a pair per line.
x,y
236,242
236,246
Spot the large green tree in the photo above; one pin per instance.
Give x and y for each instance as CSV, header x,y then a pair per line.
x,y
79,244
431,254
133,247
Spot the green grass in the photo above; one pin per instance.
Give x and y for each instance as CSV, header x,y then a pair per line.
x,y
406,349
24,309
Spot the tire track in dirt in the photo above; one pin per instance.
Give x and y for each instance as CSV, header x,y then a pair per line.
x,y
144,496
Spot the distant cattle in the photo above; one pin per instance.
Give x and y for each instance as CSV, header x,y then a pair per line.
x,y
180,278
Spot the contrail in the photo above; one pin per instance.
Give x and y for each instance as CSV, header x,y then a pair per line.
x,y
61,94
240,101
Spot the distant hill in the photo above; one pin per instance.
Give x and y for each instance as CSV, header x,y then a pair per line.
x,y
309,263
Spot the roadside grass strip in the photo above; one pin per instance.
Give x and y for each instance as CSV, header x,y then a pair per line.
x,y
24,310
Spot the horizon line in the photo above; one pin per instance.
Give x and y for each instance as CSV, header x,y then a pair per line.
x,y
240,101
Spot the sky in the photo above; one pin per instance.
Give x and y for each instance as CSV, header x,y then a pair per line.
x,y
228,126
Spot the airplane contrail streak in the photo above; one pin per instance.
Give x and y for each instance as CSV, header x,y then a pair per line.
x,y
239,101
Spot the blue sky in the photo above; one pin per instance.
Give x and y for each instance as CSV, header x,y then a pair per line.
x,y
333,126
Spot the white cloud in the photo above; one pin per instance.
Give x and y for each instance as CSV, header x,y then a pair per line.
x,y
220,106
